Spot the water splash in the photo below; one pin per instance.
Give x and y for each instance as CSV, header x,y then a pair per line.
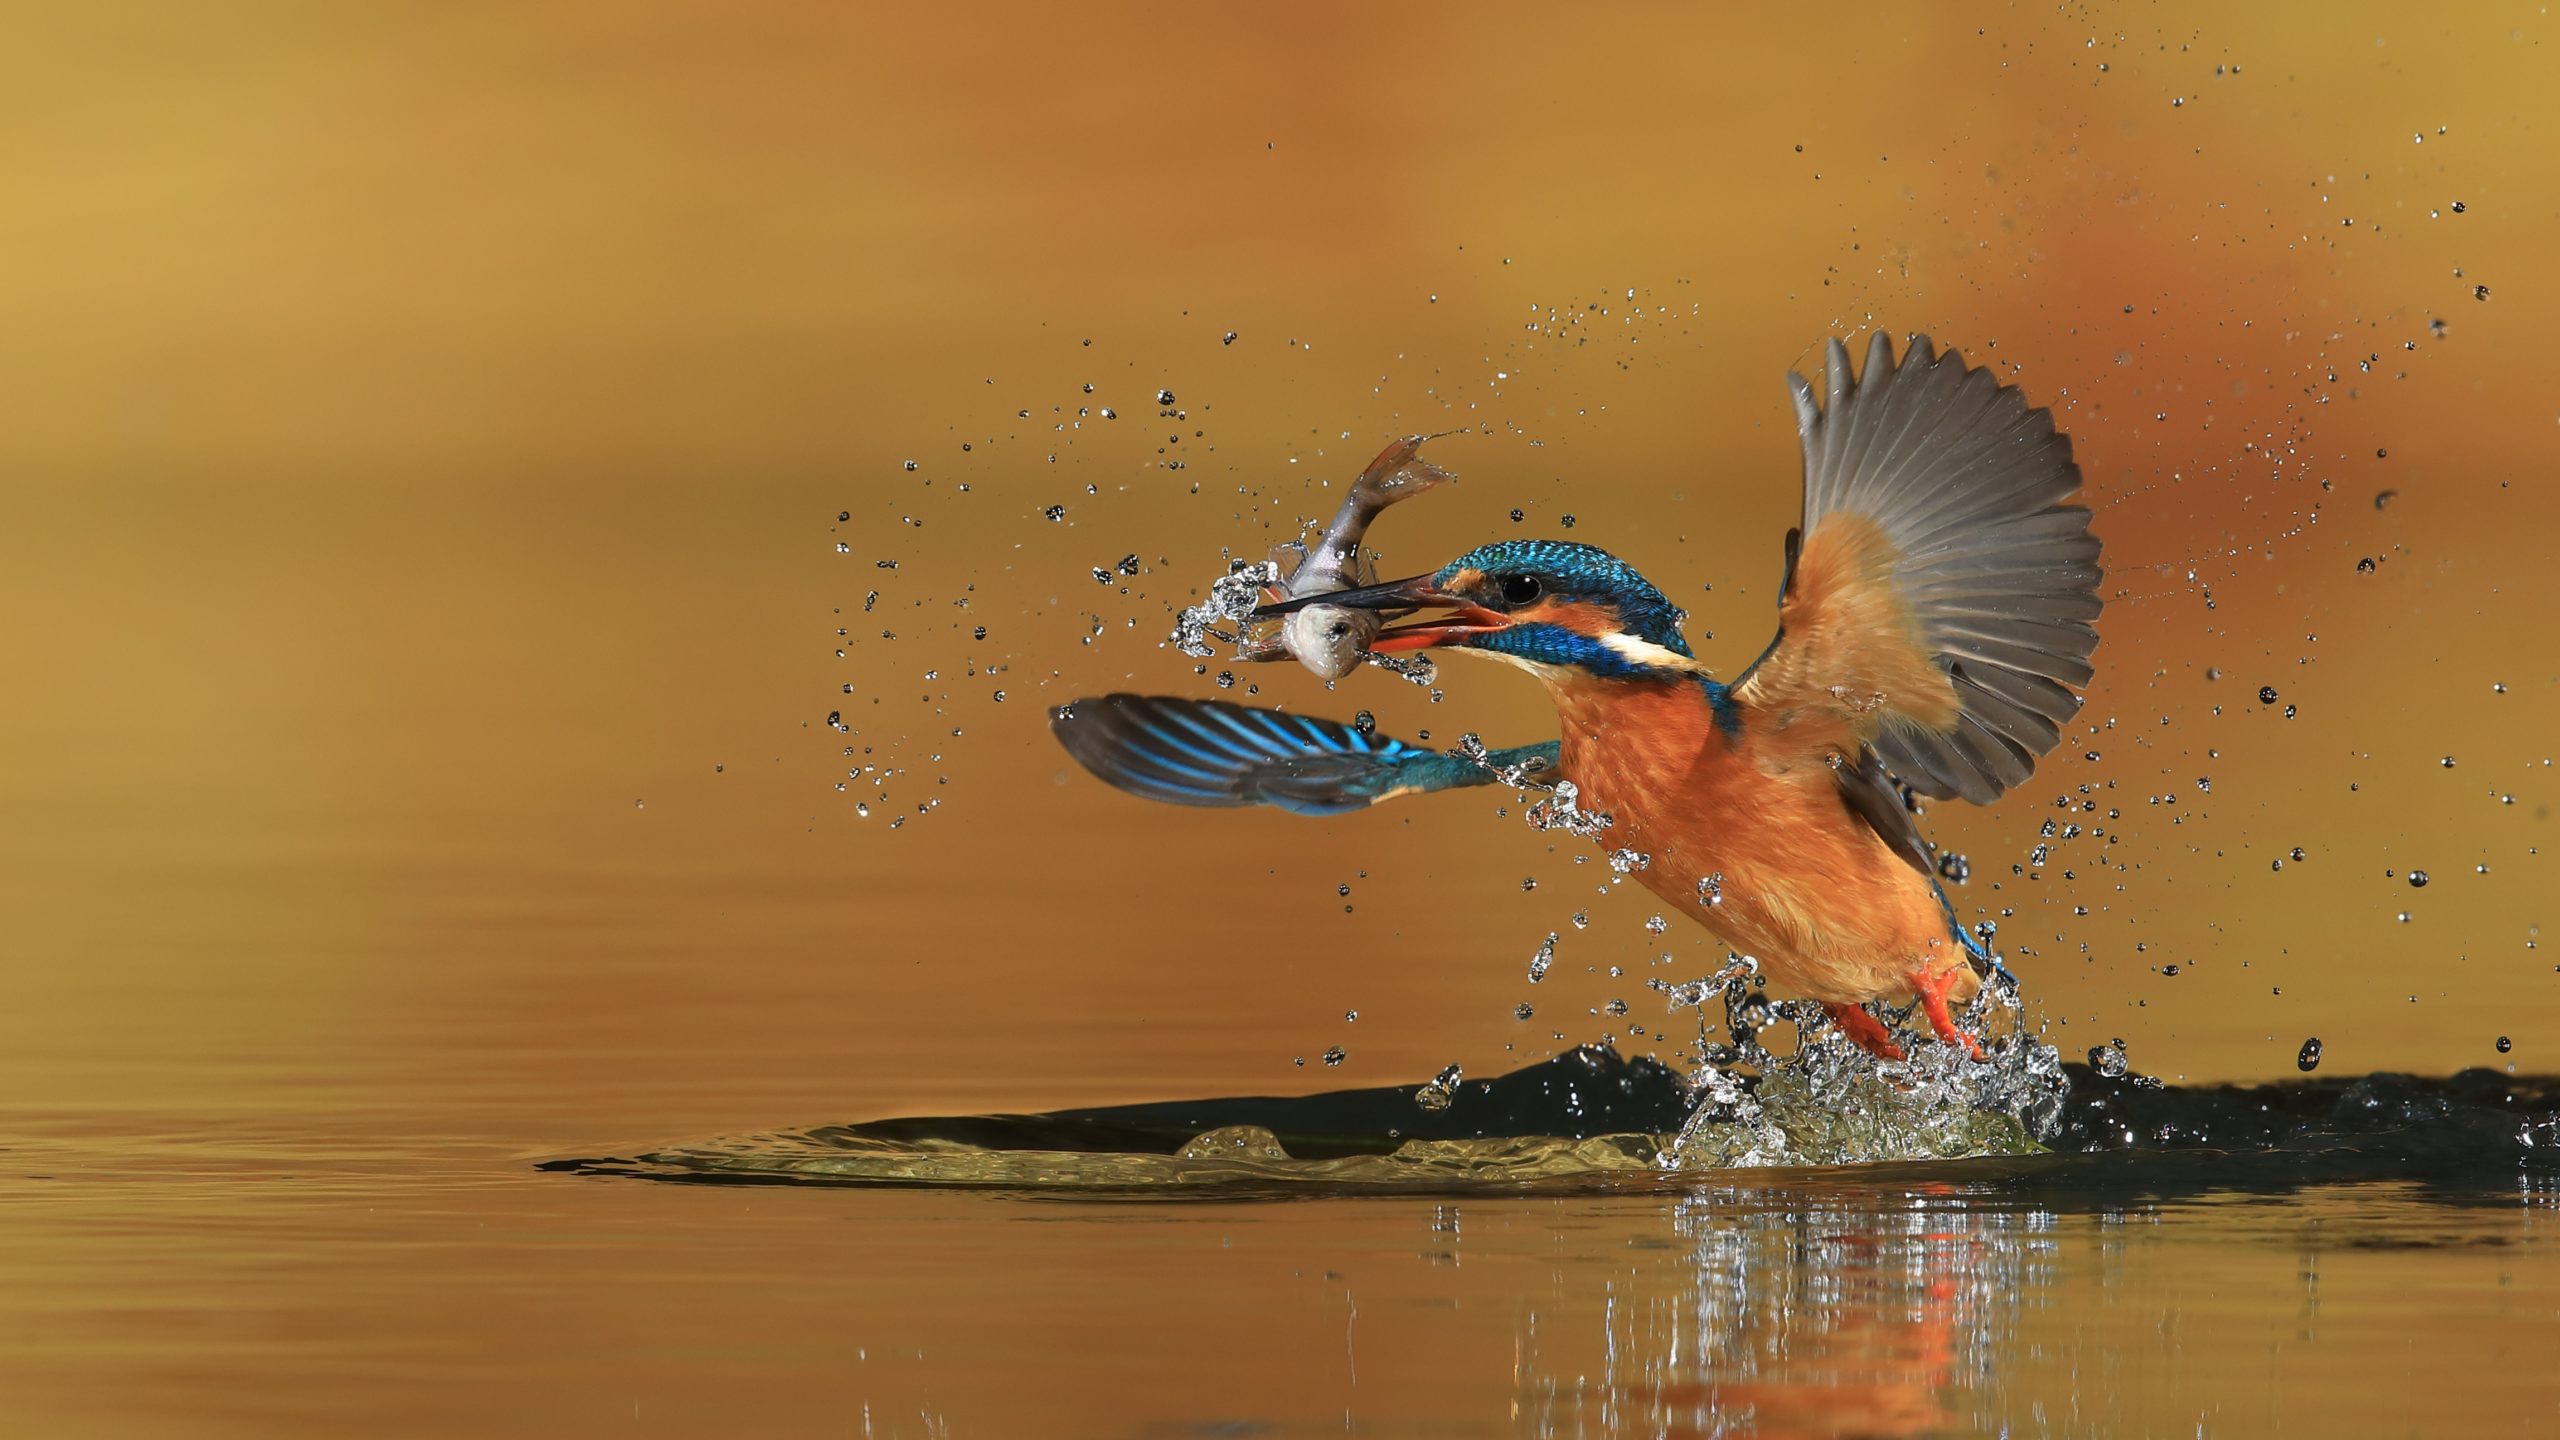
x,y
1223,617
1417,669
1561,810
1830,1103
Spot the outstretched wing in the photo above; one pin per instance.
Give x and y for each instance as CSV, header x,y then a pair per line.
x,y
1939,596
1208,752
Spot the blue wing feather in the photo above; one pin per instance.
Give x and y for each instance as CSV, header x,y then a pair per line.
x,y
1209,752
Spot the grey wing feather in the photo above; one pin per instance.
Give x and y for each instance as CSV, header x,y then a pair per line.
x,y
1870,795
1965,478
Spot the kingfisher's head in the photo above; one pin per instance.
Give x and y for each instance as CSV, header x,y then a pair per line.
x,y
1550,606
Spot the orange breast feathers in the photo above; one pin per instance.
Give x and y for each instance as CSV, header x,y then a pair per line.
x,y
1636,738
1802,882
1848,650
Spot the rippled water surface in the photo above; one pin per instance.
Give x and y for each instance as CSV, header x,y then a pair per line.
x,y
236,1280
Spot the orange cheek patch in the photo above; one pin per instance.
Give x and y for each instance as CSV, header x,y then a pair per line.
x,y
1580,616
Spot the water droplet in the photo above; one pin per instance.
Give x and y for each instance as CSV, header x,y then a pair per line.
x,y
911,464
2108,1060
1335,1055
2417,879
2505,1044
2266,694
1442,1089
2309,1059
1545,957
1522,1011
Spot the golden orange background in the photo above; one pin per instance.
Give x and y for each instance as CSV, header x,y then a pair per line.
x,y
424,432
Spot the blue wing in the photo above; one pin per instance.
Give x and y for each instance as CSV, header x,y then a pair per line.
x,y
1208,752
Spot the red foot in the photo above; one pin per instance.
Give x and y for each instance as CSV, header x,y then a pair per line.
x,y
1933,1003
1863,1030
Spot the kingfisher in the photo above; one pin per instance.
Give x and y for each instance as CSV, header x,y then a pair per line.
x,y
1935,623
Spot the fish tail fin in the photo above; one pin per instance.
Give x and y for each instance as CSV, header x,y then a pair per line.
x,y
1397,473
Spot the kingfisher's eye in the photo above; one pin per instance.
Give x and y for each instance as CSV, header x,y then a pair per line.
x,y
1520,589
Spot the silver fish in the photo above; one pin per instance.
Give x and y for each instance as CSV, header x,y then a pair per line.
x,y
1331,640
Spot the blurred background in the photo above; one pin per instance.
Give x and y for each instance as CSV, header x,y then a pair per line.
x,y
458,459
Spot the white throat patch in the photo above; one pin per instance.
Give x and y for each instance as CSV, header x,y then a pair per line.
x,y
1637,651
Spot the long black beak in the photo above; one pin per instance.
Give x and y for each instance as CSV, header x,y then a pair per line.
x,y
1397,595
1402,597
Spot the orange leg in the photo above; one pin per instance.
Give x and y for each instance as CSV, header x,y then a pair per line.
x,y
1933,1003
1864,1030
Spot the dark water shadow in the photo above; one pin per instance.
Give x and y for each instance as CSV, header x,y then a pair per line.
x,y
1591,1122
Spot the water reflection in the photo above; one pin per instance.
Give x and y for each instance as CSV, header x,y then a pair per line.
x,y
2183,1253
1936,1308
1808,1316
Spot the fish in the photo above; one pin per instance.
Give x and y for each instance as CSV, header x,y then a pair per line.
x,y
1332,640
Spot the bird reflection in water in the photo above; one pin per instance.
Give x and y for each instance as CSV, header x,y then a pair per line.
x,y
1792,1315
